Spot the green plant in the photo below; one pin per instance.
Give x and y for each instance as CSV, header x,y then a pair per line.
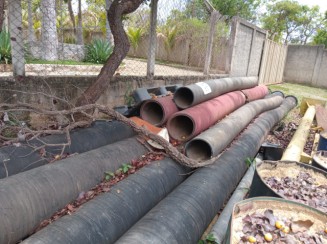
x,y
128,98
250,162
125,167
70,39
170,34
109,175
98,51
134,36
210,239
5,47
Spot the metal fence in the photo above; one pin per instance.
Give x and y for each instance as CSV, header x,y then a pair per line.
x,y
55,39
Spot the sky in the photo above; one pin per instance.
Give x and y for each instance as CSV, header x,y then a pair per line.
x,y
321,3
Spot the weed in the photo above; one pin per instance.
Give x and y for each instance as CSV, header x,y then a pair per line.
x,y
250,162
125,167
108,175
210,239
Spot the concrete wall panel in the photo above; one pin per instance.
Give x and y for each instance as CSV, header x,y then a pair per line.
x,y
254,65
300,63
242,50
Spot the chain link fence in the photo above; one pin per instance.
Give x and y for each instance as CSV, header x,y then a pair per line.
x,y
61,38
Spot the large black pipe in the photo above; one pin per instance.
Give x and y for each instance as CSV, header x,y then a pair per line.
x,y
105,218
185,213
19,159
30,197
188,96
214,140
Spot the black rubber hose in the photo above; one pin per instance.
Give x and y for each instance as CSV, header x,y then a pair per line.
x,y
105,218
32,196
14,160
206,145
185,213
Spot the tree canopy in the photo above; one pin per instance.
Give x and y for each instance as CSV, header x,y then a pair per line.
x,y
291,22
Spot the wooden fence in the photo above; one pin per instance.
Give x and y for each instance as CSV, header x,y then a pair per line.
x,y
272,63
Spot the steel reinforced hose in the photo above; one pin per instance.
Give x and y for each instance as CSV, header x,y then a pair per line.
x,y
188,96
30,197
100,133
206,145
105,218
185,213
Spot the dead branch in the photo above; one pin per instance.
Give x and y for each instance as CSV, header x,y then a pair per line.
x,y
170,150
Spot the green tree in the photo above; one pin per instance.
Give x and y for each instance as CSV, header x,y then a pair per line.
x,y
290,21
321,38
246,9
2,13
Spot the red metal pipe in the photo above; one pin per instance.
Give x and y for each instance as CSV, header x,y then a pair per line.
x,y
255,93
186,124
158,111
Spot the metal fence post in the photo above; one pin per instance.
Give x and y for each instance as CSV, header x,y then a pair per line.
x,y
16,35
153,40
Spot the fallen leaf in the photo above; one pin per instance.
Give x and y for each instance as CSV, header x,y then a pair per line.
x,y
301,225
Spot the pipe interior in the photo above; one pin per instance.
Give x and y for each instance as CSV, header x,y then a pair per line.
x,y
153,113
198,150
183,97
181,127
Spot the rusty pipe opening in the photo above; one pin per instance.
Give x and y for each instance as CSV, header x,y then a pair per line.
x,y
183,97
152,112
198,150
181,127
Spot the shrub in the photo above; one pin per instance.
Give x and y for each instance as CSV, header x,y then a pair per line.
x,y
134,36
98,51
5,47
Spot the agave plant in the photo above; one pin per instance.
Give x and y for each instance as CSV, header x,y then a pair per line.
x,y
5,47
98,51
134,36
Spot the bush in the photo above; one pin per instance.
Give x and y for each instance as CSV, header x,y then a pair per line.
x,y
5,47
98,51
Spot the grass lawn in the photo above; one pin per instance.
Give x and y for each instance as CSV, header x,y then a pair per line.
x,y
300,92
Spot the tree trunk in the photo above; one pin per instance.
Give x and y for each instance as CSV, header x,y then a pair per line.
x,y
79,25
31,33
49,35
2,13
117,10
108,30
71,14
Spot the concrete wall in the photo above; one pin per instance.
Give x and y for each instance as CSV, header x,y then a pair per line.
x,y
188,52
69,88
246,45
306,65
65,51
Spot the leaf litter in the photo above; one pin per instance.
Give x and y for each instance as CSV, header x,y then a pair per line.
x,y
303,189
257,225
102,187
